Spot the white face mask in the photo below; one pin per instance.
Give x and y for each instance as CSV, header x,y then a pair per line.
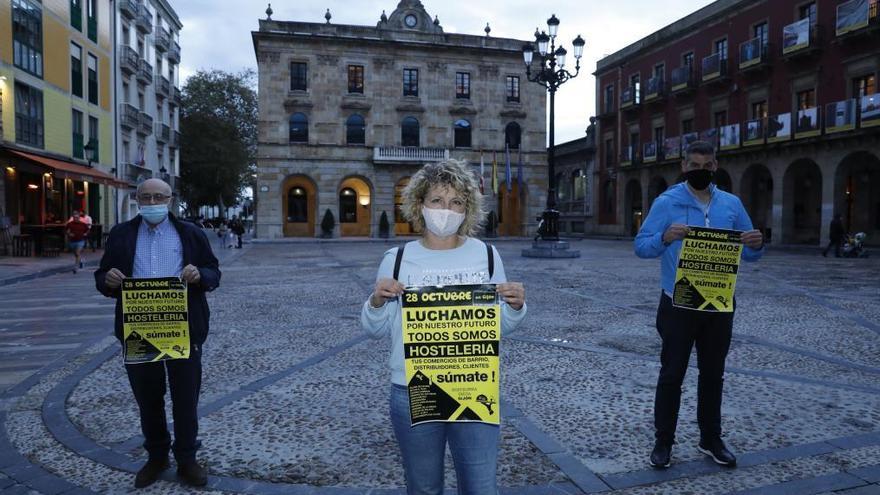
x,y
442,223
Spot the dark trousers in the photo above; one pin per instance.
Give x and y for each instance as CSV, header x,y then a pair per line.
x,y
239,239
680,330
836,245
148,384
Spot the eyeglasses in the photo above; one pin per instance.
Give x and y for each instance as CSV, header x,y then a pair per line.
x,y
155,198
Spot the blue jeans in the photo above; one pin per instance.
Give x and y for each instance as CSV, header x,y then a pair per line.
x,y
474,448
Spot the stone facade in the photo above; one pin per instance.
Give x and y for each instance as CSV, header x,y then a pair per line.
x,y
575,164
318,174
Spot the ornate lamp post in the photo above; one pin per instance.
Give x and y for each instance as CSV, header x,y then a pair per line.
x,y
550,73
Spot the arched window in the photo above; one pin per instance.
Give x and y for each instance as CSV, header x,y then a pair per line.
x,y
355,130
512,135
462,134
299,128
347,206
297,205
409,132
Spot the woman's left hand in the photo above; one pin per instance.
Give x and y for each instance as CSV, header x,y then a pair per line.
x,y
513,293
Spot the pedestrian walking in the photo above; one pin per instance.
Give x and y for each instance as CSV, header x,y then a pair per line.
x,y
76,231
836,235
157,244
443,201
237,228
696,202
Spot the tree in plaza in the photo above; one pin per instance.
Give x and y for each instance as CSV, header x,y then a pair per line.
x,y
218,141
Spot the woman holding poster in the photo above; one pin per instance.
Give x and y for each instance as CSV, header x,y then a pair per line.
x,y
443,201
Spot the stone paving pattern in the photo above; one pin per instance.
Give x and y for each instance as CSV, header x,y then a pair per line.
x,y
295,397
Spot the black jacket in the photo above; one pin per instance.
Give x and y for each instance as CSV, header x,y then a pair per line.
x,y
119,253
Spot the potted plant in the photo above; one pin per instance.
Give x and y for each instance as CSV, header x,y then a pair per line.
x,y
327,224
384,226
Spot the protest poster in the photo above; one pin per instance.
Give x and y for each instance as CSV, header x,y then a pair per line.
x,y
451,340
708,263
155,320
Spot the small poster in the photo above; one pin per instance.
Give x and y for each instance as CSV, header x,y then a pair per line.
x,y
840,116
870,110
649,153
796,36
807,123
710,136
672,147
451,343
155,320
851,16
707,266
729,138
779,128
754,132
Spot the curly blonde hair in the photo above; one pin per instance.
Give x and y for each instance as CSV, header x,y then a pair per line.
x,y
452,173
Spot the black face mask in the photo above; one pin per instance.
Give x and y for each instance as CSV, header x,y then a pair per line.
x,y
699,179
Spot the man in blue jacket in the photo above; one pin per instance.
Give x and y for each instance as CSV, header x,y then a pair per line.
x,y
156,244
696,202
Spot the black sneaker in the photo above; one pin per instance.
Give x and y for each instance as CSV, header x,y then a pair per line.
x,y
192,474
661,455
150,472
718,452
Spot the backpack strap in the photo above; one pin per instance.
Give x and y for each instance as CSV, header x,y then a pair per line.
x,y
491,256
397,261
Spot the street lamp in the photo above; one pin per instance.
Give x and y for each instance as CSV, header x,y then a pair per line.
x,y
551,74
89,150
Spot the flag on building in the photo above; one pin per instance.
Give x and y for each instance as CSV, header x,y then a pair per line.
x,y
507,175
494,173
482,187
519,170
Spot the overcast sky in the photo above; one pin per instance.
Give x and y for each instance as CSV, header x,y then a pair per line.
x,y
216,33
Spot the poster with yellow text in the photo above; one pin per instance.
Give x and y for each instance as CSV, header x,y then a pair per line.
x,y
707,266
451,339
155,321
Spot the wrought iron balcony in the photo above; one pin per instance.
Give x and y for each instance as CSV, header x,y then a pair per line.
x,y
145,124
145,72
129,8
175,139
714,68
630,97
629,156
754,54
163,86
144,21
608,107
137,172
800,39
174,96
162,132
409,154
174,52
129,116
129,60
857,17
161,39
655,89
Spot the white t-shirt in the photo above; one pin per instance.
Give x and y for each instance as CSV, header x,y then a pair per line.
x,y
466,264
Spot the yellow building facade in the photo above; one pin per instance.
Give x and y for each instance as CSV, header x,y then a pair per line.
x,y
56,112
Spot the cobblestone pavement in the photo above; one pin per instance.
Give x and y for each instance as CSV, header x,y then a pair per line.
x,y
295,397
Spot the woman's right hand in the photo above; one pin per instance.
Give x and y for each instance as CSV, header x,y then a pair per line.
x,y
386,288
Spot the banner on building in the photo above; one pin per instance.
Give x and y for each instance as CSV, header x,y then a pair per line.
x,y
796,36
754,132
672,147
807,124
729,137
840,116
851,16
779,128
870,110
707,267
451,340
155,320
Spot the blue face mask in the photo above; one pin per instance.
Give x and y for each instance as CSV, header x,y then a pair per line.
x,y
154,214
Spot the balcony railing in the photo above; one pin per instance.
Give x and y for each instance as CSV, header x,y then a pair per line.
x,y
129,8
856,15
869,111
175,139
128,115
671,148
650,152
655,88
608,107
840,116
145,124
408,154
627,156
174,96
800,37
754,132
129,60
682,79
145,72
629,97
137,173
162,132
144,21
174,52
163,86
714,67
161,39
753,53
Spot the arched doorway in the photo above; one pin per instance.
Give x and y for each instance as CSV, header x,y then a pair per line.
x,y
655,188
401,226
802,202
509,210
299,206
633,206
756,193
355,211
857,194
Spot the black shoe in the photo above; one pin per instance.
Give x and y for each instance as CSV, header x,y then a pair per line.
x,y
192,474
150,472
661,455
718,452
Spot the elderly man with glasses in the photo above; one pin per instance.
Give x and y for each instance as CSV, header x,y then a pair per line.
x,y
157,244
